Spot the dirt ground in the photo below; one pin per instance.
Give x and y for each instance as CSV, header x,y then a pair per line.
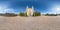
x,y
30,23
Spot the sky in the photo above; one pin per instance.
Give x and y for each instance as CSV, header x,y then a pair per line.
x,y
17,6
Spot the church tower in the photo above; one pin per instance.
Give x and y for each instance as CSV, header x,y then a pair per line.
x,y
30,11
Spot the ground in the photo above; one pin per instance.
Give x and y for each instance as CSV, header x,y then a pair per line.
x,y
30,23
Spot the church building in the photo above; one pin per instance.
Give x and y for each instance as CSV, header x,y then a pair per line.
x,y
29,11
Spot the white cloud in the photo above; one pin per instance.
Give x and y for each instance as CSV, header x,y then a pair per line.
x,y
5,8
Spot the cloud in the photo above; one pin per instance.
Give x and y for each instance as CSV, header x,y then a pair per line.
x,y
4,8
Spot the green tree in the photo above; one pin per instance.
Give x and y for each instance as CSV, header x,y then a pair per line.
x,y
23,14
36,13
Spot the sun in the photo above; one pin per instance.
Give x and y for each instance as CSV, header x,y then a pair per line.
x,y
58,8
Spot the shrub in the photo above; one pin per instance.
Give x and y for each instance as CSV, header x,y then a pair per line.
x,y
9,14
51,14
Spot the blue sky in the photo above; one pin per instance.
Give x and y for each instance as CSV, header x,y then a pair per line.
x,y
16,6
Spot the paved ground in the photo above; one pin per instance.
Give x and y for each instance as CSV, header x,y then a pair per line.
x,y
30,23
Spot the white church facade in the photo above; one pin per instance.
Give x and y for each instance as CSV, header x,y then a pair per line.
x,y
29,11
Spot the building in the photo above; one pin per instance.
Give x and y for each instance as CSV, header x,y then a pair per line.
x,y
29,11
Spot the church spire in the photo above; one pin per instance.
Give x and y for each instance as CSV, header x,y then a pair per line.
x,y
32,8
27,7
